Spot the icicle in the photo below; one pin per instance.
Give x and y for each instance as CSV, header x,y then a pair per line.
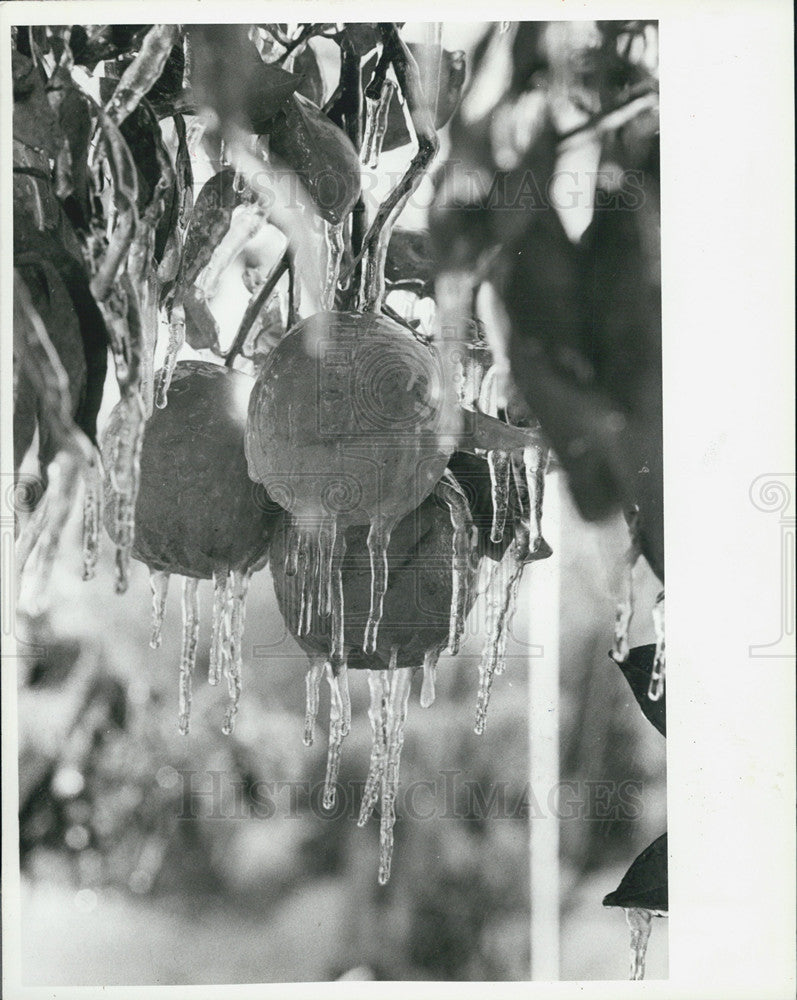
x,y
312,684
330,267
188,651
337,639
336,734
535,464
149,338
448,490
159,584
239,585
292,551
472,376
501,601
499,465
175,344
638,920
491,398
625,606
400,681
219,642
308,553
124,476
325,543
245,223
376,117
429,669
378,541
656,688
92,516
379,687
45,528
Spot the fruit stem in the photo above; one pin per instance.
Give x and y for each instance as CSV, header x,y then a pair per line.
x,y
253,310
374,251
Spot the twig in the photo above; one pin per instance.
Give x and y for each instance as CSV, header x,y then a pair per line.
x,y
372,286
253,310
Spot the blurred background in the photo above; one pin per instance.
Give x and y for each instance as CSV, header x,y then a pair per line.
x,y
119,886
129,878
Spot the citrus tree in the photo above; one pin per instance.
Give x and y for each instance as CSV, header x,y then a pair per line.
x,y
378,428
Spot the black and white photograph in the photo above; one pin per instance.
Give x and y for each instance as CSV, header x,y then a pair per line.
x,y
360,393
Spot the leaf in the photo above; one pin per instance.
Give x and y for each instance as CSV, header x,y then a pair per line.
x,y
321,154
449,91
410,262
201,328
34,122
210,220
473,475
75,121
170,83
229,76
644,885
312,83
93,43
53,304
637,670
32,248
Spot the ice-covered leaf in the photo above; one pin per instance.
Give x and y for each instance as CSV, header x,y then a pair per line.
x,y
637,668
306,66
321,154
644,885
449,90
409,261
53,304
93,43
229,76
210,220
34,122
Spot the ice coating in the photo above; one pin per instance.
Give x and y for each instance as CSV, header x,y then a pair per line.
x,y
173,348
429,670
376,117
336,734
498,462
345,697
400,682
124,474
625,606
330,270
501,602
638,920
379,689
92,516
535,464
378,541
327,531
449,491
236,596
292,551
657,674
312,683
337,637
245,223
188,651
43,532
491,393
159,585
219,645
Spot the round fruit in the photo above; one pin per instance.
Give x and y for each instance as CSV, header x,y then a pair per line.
x,y
351,419
198,514
197,511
